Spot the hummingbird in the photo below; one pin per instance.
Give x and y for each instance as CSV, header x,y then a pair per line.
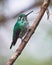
x,y
20,28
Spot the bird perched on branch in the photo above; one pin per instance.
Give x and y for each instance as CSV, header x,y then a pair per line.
x,y
20,28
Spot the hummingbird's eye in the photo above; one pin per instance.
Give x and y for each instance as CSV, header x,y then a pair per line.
x,y
19,18
22,18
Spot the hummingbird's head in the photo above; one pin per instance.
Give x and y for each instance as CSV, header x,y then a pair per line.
x,y
23,17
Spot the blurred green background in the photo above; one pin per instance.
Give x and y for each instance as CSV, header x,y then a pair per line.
x,y
38,51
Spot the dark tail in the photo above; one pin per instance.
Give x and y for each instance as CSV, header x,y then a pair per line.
x,y
15,37
12,44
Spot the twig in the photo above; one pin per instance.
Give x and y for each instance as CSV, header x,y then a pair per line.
x,y
29,34
48,13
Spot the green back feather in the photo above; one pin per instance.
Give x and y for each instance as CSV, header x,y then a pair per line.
x,y
20,24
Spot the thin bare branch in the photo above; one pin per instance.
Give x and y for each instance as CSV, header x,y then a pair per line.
x,y
48,13
29,33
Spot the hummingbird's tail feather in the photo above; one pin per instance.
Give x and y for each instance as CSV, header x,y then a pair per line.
x,y
15,37
12,44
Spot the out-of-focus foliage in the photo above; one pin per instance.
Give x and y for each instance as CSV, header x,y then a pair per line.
x,y
30,61
27,61
1,0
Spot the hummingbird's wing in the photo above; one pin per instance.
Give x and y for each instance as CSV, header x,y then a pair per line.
x,y
15,37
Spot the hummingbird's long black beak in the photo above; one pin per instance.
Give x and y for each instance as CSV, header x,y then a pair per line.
x,y
28,13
